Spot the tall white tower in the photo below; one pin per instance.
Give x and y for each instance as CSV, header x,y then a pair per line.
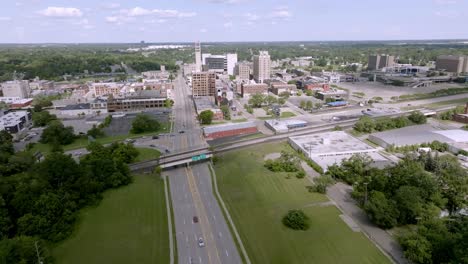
x,y
261,66
198,58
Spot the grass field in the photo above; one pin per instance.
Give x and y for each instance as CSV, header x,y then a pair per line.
x,y
147,154
461,101
128,226
257,199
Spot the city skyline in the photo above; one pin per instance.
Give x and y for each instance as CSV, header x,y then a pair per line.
x,y
58,21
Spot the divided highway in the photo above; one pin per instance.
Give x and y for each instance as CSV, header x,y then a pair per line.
x,y
197,214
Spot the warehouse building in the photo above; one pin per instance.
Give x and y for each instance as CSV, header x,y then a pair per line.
x,y
330,148
284,125
228,130
457,139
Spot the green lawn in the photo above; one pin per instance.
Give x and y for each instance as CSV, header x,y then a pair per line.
x,y
461,101
128,226
257,199
147,154
283,115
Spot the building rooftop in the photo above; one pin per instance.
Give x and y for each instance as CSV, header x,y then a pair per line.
x,y
226,127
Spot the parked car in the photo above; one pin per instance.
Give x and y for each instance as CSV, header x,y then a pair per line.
x,y
195,219
201,243
155,137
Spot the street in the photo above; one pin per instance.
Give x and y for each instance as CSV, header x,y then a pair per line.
x,y
196,210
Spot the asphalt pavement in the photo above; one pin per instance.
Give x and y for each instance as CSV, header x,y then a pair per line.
x,y
192,195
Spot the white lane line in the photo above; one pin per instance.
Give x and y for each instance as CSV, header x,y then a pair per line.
x,y
184,222
227,253
220,235
186,239
199,258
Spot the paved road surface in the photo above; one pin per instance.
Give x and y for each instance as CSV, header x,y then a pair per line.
x,y
341,194
192,195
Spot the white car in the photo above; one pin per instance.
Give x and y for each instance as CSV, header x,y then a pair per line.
x,y
201,243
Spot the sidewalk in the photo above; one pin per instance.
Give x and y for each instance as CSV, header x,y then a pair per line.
x,y
340,193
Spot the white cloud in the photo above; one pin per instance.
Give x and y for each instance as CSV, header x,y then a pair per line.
x,y
445,2
5,18
228,25
203,30
281,13
167,13
61,12
110,5
446,14
252,17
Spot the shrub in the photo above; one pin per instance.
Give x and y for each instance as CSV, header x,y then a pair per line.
x,y
300,174
296,219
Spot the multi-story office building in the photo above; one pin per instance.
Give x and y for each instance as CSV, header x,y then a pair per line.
x,y
243,71
134,104
103,89
198,58
220,63
16,89
14,122
261,66
204,84
451,63
377,62
189,69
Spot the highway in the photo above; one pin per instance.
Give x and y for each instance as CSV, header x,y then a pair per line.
x,y
192,194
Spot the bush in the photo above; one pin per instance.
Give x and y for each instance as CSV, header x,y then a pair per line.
x,y
286,163
296,219
417,117
321,183
300,174
144,123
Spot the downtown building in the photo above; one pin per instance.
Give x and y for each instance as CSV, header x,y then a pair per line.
x,y
204,84
242,71
261,67
377,62
220,63
451,63
16,88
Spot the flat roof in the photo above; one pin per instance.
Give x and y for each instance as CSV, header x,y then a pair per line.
x,y
227,127
330,143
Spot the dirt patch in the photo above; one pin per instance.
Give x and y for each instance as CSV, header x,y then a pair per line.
x,y
272,156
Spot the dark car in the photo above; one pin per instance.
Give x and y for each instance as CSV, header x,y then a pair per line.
x,y
181,131
195,219
155,137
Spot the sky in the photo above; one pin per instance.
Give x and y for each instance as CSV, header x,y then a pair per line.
x,y
85,21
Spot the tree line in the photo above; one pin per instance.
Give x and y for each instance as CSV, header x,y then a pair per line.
x,y
413,193
40,201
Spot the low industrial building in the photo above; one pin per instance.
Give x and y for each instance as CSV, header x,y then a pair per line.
x,y
457,139
255,88
14,122
330,148
332,94
283,126
228,130
279,87
203,103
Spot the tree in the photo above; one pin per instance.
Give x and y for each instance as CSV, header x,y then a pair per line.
x,y
57,133
168,103
409,204
416,248
417,117
296,219
281,101
309,105
257,100
43,118
206,117
365,125
144,123
302,104
381,211
95,132
226,112
270,99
